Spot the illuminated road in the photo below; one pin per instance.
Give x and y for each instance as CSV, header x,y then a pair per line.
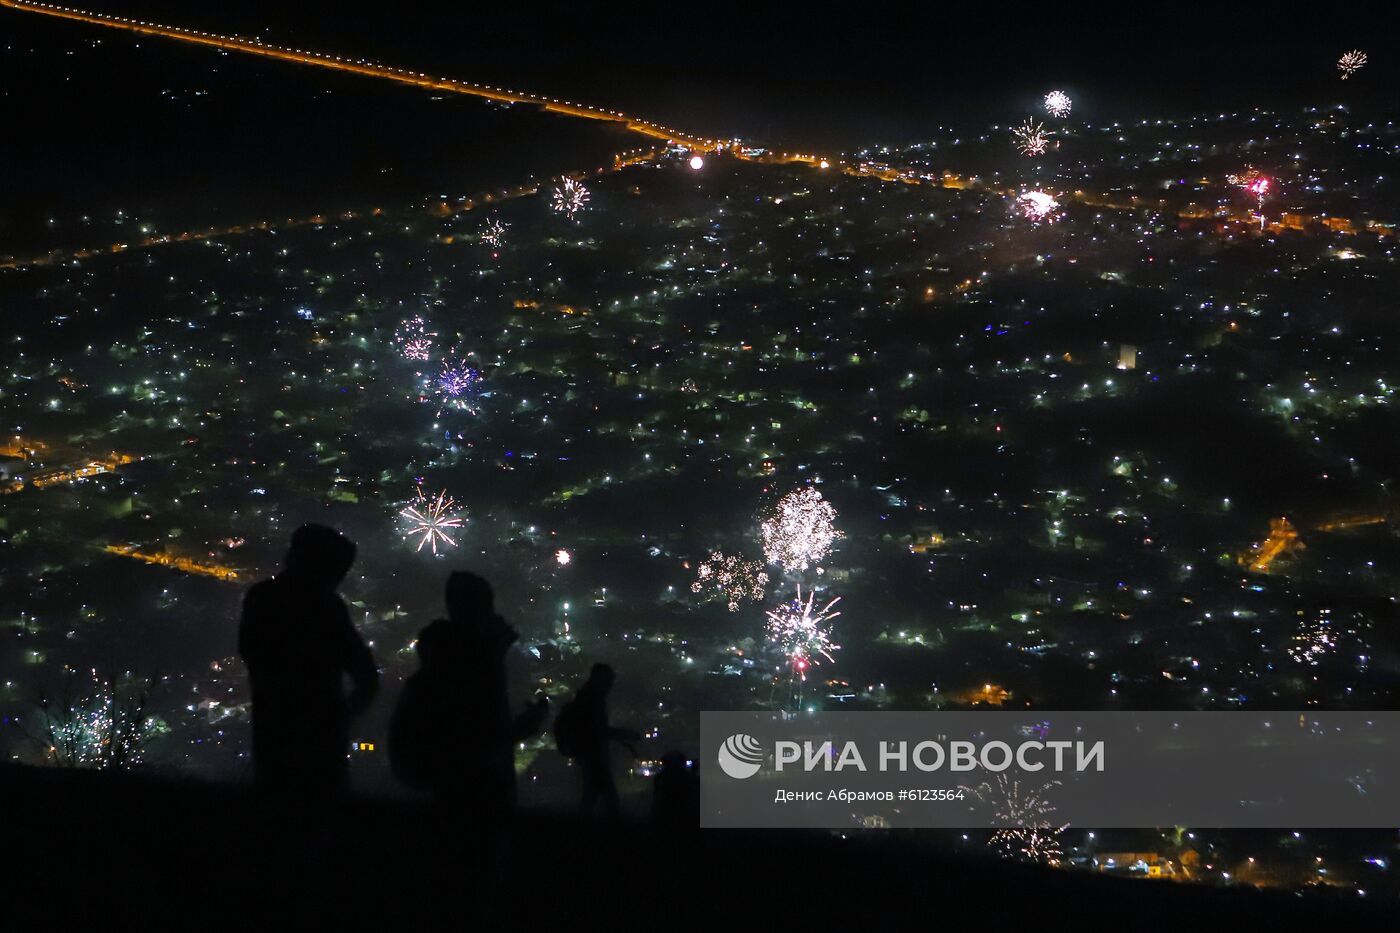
x,y
648,128
442,209
64,464
421,79
182,564
369,69
1283,539
192,236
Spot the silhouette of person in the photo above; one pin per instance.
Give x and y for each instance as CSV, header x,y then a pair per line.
x,y
584,734
299,645
453,732
675,801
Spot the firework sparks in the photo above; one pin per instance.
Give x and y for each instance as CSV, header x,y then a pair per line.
x,y
432,521
1350,63
1031,835
1058,104
1256,184
1032,138
570,198
802,632
456,386
413,339
732,577
800,531
1038,206
493,234
1252,181
94,723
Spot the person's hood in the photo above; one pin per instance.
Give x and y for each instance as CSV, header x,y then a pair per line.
x,y
319,557
455,641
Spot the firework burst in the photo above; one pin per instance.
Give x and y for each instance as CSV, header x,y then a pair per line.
x,y
1251,180
1058,104
570,198
413,339
1257,184
800,531
1031,138
1350,63
1038,206
731,576
455,386
1030,835
90,722
802,632
432,521
493,234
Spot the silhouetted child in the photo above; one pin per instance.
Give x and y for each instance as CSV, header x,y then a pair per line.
x,y
453,732
582,732
299,645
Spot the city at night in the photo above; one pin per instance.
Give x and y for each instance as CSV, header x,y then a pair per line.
x,y
556,463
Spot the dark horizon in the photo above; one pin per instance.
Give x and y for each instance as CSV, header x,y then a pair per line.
x,y
795,76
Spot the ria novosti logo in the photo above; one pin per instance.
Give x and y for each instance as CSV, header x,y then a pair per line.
x,y
740,756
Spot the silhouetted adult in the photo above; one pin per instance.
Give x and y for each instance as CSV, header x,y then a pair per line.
x,y
299,645
583,733
453,732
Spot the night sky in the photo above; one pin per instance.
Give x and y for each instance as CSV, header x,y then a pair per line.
x,y
849,75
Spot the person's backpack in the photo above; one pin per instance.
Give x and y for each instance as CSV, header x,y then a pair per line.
x,y
569,729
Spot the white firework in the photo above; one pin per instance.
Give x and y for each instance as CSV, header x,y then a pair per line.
x,y
801,530
1350,63
1038,206
413,339
1032,138
493,234
432,521
570,198
802,632
1030,835
1058,104
731,576
90,722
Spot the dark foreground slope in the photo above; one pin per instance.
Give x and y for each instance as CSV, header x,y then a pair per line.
x,y
91,849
